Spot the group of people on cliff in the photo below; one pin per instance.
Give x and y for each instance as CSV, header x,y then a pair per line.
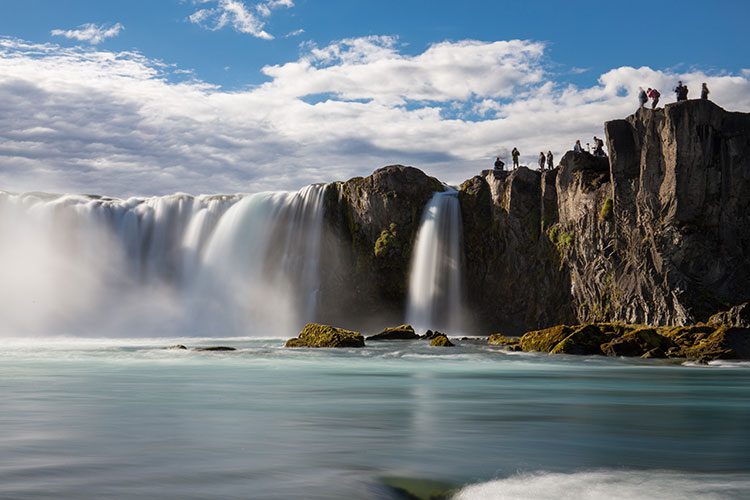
x,y
681,91
546,161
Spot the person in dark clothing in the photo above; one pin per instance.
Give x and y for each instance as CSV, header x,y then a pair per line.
x,y
654,95
704,91
542,159
515,154
599,147
499,165
681,91
578,148
550,160
642,96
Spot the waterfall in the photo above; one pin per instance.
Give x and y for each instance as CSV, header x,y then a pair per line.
x,y
435,281
173,265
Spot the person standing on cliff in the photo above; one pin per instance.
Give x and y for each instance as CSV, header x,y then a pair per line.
x,y
550,160
681,91
654,95
515,154
599,147
642,97
542,158
704,91
578,148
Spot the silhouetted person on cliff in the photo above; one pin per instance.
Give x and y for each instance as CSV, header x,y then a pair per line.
x,y
578,148
642,97
681,91
515,154
499,165
550,160
542,159
599,147
654,95
704,91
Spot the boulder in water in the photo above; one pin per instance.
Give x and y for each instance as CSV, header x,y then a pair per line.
x,y
441,341
177,347
218,348
401,332
316,335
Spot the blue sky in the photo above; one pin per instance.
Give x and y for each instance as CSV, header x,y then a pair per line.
x,y
595,35
579,64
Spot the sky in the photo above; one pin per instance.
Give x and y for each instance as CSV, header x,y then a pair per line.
x,y
141,97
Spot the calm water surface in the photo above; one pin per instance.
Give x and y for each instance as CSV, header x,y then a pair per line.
x,y
126,419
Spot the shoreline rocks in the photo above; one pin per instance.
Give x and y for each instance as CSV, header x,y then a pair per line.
x,y
700,342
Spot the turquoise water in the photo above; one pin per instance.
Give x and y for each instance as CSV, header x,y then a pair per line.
x,y
125,419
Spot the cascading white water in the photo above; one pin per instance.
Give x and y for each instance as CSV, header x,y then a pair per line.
x,y
173,265
436,280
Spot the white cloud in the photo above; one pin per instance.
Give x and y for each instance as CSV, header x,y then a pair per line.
x,y
115,123
238,15
91,33
294,33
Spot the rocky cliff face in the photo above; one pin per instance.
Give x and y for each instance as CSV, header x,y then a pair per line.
x,y
659,233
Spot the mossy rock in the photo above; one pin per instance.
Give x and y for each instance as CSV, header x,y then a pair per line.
x,y
639,342
441,341
500,339
544,340
726,342
606,212
401,332
387,244
316,335
586,340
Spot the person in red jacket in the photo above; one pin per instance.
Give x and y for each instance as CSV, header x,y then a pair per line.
x,y
654,95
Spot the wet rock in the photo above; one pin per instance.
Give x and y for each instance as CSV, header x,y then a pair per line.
x,y
441,341
401,332
176,347
639,342
316,335
500,339
219,348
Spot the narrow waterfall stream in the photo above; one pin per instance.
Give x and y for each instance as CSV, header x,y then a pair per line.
x,y
436,287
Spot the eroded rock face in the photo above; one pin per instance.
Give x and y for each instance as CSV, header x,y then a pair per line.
x,y
513,271
681,191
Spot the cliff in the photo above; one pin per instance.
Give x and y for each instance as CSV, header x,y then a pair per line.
x,y
659,233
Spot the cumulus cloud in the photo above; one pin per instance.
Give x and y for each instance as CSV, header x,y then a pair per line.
x,y
95,121
238,15
91,33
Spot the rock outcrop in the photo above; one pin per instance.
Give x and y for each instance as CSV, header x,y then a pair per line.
x,y
315,335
